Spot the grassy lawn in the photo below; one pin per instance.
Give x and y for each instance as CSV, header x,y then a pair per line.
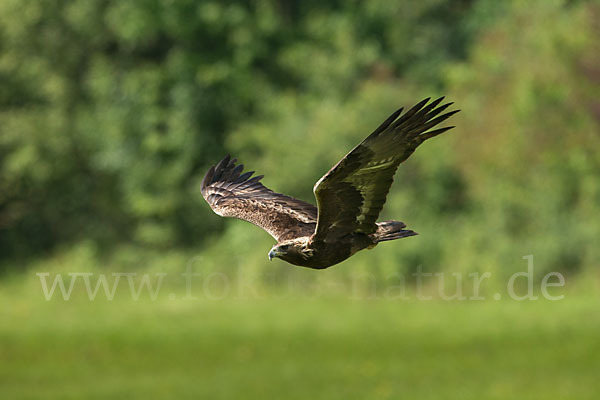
x,y
289,348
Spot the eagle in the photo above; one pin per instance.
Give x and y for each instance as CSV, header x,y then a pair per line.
x,y
349,197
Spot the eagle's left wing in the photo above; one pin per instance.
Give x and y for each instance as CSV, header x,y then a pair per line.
x,y
351,195
233,194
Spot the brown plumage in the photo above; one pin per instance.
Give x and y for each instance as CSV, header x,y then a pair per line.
x,y
349,197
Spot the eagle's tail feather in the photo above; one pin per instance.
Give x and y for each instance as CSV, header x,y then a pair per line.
x,y
391,230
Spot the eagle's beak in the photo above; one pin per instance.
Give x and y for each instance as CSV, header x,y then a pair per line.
x,y
271,255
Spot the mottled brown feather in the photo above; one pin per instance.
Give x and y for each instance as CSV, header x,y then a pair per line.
x,y
230,194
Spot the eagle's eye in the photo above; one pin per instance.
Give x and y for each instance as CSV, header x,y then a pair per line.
x,y
284,247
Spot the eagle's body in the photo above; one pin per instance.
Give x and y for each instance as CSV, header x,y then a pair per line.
x,y
350,196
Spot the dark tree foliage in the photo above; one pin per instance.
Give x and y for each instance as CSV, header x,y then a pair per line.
x,y
111,112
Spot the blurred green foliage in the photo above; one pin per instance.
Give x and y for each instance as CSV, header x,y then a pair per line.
x,y
111,111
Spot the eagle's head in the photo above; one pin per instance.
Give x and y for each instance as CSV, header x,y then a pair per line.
x,y
292,251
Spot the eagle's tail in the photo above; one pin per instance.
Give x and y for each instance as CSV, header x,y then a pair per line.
x,y
391,230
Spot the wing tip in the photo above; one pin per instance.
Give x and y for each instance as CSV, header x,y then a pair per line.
x,y
229,175
207,180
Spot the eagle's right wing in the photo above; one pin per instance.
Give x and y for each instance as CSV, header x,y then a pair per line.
x,y
232,194
351,195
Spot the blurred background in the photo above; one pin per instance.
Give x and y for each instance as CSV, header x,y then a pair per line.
x,y
112,111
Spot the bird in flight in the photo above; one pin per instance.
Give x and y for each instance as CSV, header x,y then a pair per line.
x,y
349,197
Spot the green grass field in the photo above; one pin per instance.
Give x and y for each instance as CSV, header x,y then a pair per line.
x,y
291,348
